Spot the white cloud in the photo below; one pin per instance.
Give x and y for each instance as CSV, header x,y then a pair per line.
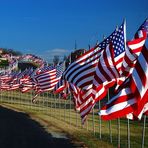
x,y
57,51
49,54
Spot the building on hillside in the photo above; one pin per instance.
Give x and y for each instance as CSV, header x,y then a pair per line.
x,y
1,51
76,54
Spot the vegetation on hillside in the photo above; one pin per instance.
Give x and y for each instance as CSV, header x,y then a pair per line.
x,y
4,63
11,51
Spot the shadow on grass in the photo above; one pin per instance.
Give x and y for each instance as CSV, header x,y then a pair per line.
x,y
17,130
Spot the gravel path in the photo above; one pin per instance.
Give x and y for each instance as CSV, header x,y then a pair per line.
x,y
17,130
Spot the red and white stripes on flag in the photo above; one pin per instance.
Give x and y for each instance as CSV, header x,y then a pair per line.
x,y
83,101
60,86
81,71
27,86
131,54
139,85
89,82
133,95
46,81
106,72
145,109
119,45
133,51
105,76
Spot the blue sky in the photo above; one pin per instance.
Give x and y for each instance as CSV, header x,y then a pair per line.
x,y
51,27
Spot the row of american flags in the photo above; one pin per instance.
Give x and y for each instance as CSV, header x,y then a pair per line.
x,y
13,61
113,63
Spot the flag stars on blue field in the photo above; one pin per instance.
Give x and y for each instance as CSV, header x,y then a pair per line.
x,y
117,39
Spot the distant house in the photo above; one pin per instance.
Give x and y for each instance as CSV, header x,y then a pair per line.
x,y
1,51
1,57
76,54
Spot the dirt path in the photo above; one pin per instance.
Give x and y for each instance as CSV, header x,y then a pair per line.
x,y
17,130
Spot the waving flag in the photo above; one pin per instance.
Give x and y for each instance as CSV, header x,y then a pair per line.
x,y
105,70
143,27
60,86
145,109
83,101
133,95
81,72
132,52
27,86
106,73
135,47
47,79
26,82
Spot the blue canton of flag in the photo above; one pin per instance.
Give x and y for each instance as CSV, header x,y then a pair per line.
x,y
46,68
118,40
107,40
59,70
144,26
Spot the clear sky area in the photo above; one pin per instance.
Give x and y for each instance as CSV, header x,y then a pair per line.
x,y
52,27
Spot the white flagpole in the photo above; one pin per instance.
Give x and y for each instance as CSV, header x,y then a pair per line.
x,y
128,133
143,132
110,131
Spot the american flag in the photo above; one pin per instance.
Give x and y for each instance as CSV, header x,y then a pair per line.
x,y
84,99
106,70
60,86
46,80
4,86
133,50
27,85
145,109
59,69
7,80
16,80
139,85
131,98
81,72
33,58
65,92
27,75
118,40
7,77
13,64
45,68
26,82
106,73
144,27
135,46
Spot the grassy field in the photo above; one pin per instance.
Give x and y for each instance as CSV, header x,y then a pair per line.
x,y
49,110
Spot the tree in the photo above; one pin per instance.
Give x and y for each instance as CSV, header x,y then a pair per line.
x,y
56,59
11,51
64,58
4,63
76,54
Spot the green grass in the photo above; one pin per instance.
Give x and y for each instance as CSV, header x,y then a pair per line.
x,y
60,114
